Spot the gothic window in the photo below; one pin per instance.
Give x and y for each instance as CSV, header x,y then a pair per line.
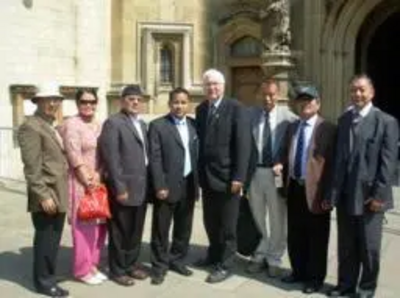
x,y
166,64
246,47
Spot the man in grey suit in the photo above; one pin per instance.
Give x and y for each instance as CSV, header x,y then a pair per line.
x,y
45,169
269,124
123,149
366,157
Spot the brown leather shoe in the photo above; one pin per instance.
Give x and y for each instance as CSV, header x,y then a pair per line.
x,y
124,280
139,273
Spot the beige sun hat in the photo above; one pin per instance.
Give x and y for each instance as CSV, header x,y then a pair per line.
x,y
47,90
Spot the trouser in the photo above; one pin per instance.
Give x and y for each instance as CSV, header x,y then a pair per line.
x,y
220,212
269,213
181,212
308,237
88,242
359,245
46,242
125,230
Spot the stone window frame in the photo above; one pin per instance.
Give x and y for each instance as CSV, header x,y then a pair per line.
x,y
153,35
167,64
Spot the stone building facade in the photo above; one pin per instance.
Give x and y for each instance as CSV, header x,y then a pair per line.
x,y
165,43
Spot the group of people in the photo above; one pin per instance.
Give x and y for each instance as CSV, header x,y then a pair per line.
x,y
294,169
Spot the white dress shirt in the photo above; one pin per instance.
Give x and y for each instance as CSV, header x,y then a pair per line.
x,y
183,130
136,121
308,131
261,126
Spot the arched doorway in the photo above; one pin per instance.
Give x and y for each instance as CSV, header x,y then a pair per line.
x,y
378,48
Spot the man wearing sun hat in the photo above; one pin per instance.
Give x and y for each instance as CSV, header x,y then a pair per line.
x,y
307,161
45,169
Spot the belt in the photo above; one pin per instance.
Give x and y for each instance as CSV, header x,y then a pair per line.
x,y
300,182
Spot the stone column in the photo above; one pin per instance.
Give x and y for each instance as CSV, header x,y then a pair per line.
x,y
276,38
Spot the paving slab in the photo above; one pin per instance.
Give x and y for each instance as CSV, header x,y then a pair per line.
x,y
16,262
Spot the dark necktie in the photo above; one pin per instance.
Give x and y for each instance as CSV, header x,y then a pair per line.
x,y
299,151
267,143
212,110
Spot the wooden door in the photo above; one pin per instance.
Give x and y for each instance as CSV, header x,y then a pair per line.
x,y
246,82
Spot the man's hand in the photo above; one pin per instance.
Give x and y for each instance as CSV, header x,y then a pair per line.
x,y
49,206
375,205
162,194
122,197
236,187
326,205
277,169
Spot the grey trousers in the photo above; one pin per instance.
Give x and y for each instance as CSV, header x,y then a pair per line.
x,y
269,212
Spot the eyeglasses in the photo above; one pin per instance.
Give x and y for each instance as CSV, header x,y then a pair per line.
x,y
88,102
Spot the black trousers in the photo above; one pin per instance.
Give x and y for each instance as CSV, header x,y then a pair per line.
x,y
308,237
181,212
46,243
359,245
125,237
220,216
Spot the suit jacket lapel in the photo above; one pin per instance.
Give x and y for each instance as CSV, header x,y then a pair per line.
x,y
256,124
174,130
218,112
278,133
132,127
292,134
52,132
313,135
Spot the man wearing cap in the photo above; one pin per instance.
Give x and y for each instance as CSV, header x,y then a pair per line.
x,y
45,169
364,170
224,150
123,149
307,160
269,124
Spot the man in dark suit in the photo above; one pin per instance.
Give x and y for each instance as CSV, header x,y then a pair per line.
x,y
366,158
45,169
123,149
269,124
173,164
224,149
307,161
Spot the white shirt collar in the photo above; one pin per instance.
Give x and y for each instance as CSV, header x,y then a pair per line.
x,y
311,122
178,121
365,110
216,103
135,117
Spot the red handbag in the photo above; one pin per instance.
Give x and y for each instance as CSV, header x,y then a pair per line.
x,y
94,204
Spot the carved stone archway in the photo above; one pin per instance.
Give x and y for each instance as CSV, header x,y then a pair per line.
x,y
233,30
338,49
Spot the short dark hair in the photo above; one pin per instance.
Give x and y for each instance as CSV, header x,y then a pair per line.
x,y
362,76
82,91
176,91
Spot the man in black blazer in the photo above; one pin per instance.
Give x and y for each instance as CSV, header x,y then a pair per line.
x,y
224,150
123,148
173,165
366,157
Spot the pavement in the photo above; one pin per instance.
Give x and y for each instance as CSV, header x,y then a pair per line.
x,y
16,262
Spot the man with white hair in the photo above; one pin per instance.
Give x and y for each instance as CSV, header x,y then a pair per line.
x,y
224,150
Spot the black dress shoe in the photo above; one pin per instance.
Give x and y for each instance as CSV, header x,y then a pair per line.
x,y
181,269
312,287
342,292
55,292
291,279
157,279
218,275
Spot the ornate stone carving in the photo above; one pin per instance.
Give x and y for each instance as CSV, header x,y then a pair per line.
x,y
276,26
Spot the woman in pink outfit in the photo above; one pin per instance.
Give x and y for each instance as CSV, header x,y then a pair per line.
x,y
80,135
